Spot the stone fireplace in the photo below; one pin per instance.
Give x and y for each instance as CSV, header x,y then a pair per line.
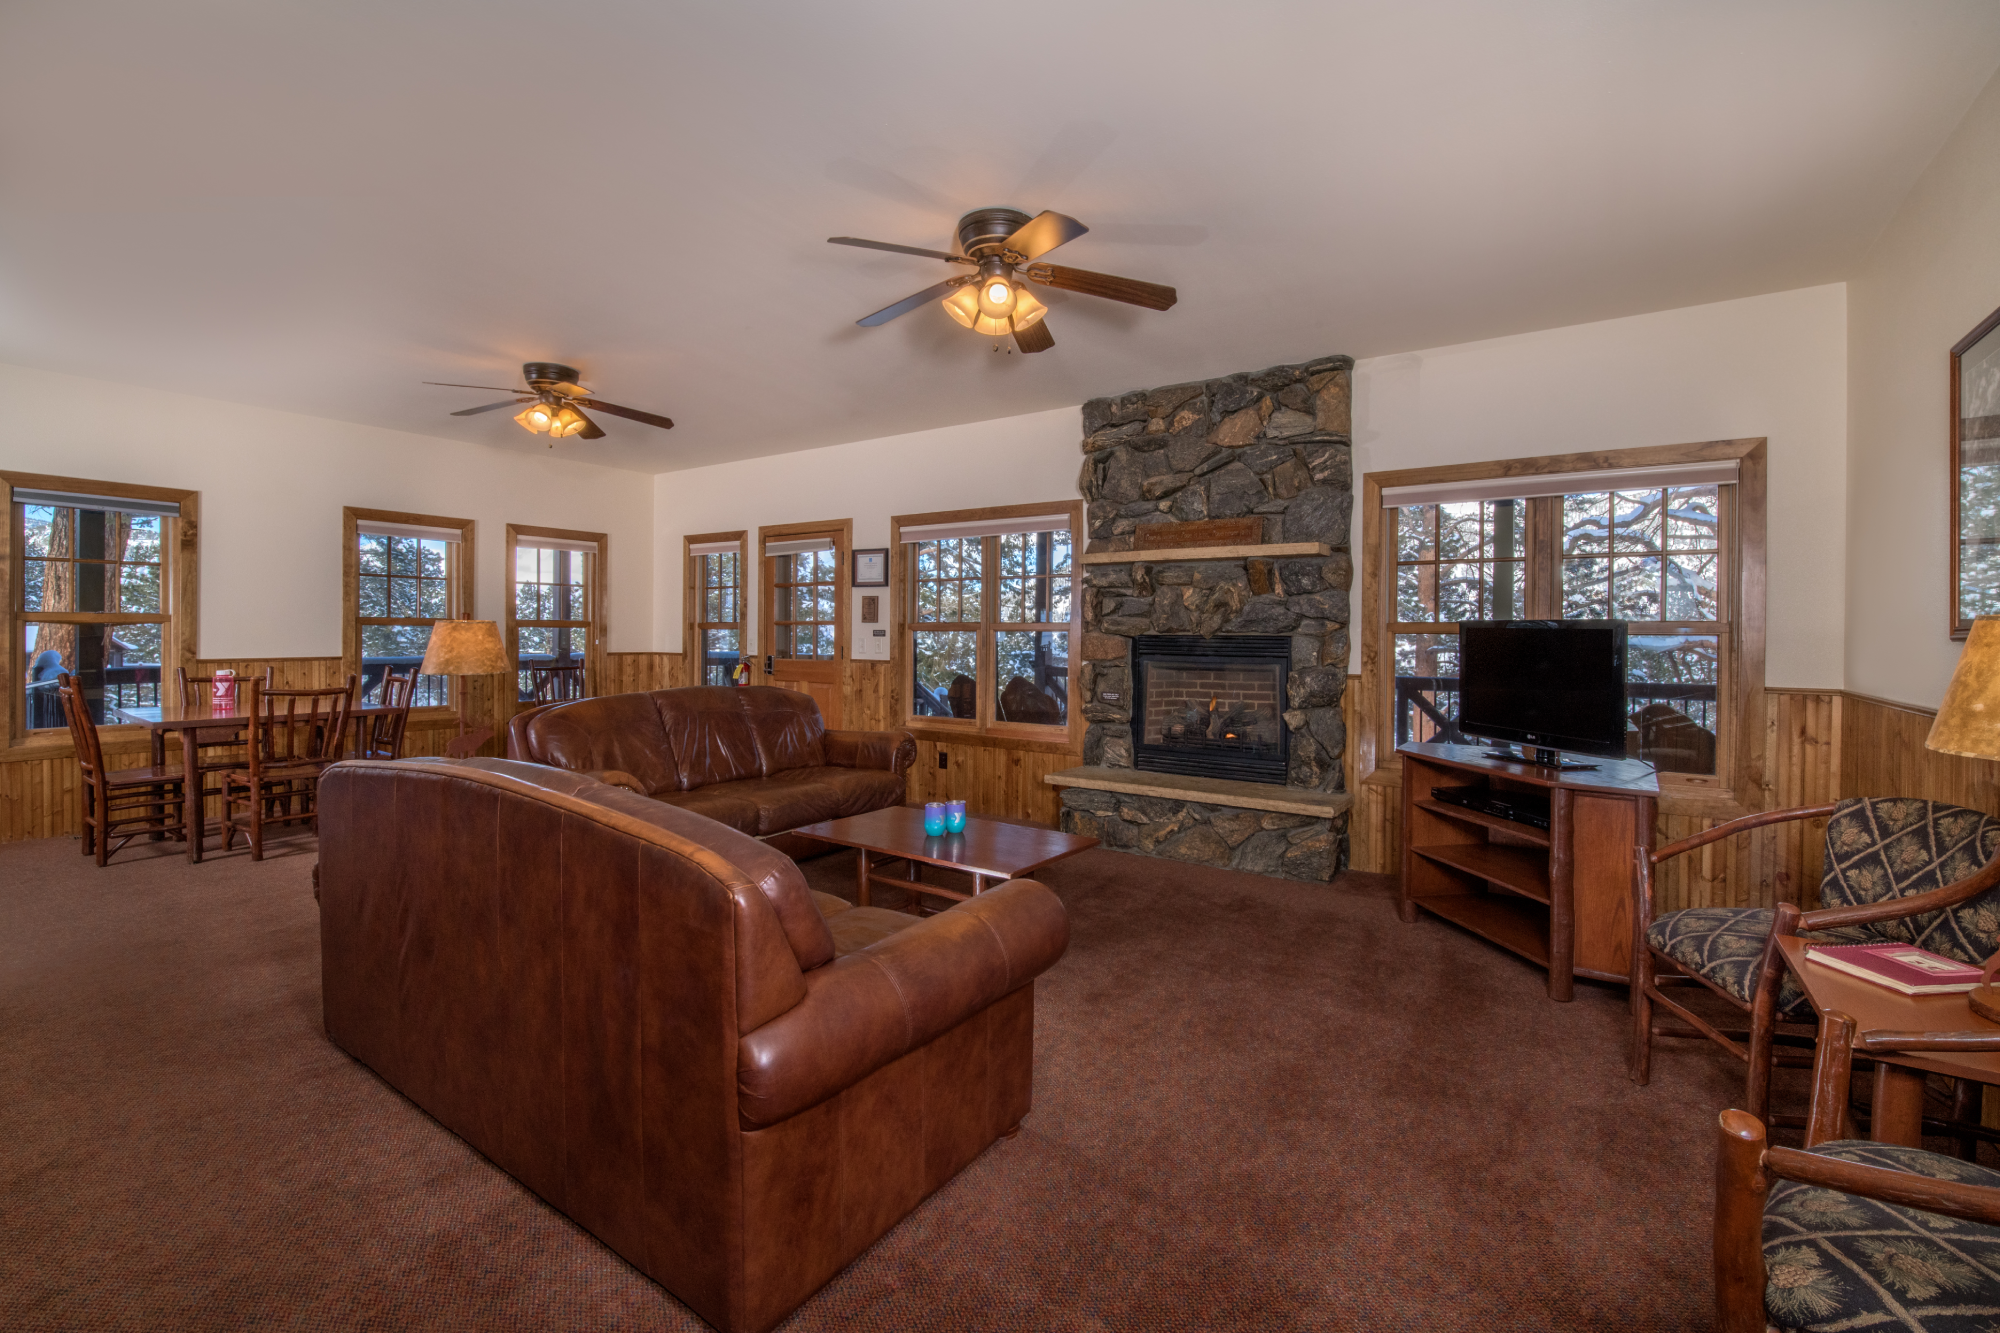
x,y
1215,653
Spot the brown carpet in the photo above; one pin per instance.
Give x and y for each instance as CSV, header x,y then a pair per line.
x,y
1259,1105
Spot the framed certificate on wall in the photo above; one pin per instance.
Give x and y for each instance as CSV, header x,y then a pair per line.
x,y
871,568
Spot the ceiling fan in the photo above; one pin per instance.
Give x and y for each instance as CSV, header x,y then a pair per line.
x,y
552,400
1003,245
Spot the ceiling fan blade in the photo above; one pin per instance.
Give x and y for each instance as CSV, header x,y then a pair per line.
x,y
1043,233
909,303
496,388
1035,338
897,249
1151,295
591,430
569,390
492,407
629,413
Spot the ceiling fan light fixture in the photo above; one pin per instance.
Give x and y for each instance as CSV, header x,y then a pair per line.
x,y
1027,310
536,419
965,306
566,422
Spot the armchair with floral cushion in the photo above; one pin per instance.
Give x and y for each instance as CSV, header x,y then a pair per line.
x,y
1848,1233
1896,870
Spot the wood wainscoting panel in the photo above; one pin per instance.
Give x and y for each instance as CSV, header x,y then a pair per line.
x,y
641,673
991,780
868,693
1882,754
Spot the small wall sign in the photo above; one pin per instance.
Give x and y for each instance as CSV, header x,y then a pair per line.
x,y
871,610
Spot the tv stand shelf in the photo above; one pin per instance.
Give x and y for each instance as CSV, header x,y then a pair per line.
x,y
1561,897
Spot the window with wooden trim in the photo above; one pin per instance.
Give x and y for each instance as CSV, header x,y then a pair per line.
x,y
989,618
96,578
401,573
555,612
1665,558
804,600
715,605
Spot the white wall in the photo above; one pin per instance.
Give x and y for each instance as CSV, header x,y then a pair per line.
x,y
272,486
1773,366
1011,460
1930,278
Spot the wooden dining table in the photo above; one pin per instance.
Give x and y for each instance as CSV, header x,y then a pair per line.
x,y
209,713
1897,1104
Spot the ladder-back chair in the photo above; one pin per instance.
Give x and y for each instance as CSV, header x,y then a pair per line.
x,y
381,734
118,803
294,736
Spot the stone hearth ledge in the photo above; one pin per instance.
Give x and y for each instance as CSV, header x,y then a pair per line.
x,y
1208,791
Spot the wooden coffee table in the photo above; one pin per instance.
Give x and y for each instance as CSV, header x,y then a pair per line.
x,y
1898,1101
988,849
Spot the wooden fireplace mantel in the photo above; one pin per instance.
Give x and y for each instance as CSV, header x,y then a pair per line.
x,y
1165,555
1207,791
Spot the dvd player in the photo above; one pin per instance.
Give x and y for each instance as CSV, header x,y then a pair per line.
x,y
1518,807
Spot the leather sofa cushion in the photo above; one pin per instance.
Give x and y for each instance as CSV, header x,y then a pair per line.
x,y
731,803
788,728
806,795
620,731
855,928
710,733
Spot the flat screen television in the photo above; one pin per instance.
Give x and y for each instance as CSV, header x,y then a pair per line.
x,y
1550,685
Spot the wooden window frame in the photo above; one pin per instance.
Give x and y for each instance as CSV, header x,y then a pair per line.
x,y
985,728
1740,782
180,596
693,627
461,588
596,626
842,532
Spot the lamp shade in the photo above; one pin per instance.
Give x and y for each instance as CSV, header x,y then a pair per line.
x,y
465,648
1968,721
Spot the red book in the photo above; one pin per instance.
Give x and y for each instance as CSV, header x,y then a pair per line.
x,y
1900,967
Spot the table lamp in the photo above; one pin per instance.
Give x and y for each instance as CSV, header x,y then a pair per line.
x,y
1968,723
462,648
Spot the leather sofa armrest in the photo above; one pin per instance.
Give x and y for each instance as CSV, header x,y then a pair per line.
x,y
890,751
871,1007
616,777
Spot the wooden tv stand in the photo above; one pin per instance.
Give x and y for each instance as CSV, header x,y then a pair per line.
x,y
1562,898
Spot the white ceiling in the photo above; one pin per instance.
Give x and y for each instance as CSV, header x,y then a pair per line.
x,y
314,207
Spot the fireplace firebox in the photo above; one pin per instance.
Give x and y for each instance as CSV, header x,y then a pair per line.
x,y
1211,707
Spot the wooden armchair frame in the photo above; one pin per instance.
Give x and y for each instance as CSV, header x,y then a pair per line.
x,y
1649,985
1745,1166
1757,1049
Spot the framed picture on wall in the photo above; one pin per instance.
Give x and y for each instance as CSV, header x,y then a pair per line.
x,y
1975,476
871,568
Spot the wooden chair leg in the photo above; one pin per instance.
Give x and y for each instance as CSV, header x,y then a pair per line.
x,y
1640,1063
1966,1101
256,830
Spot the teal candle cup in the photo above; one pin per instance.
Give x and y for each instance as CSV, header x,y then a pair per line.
x,y
954,816
934,818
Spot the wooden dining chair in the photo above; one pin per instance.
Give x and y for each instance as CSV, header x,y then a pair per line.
x,y
556,684
1896,871
1847,1233
214,746
294,736
382,733
121,803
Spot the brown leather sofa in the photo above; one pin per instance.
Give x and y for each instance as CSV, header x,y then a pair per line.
x,y
650,1021
758,759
